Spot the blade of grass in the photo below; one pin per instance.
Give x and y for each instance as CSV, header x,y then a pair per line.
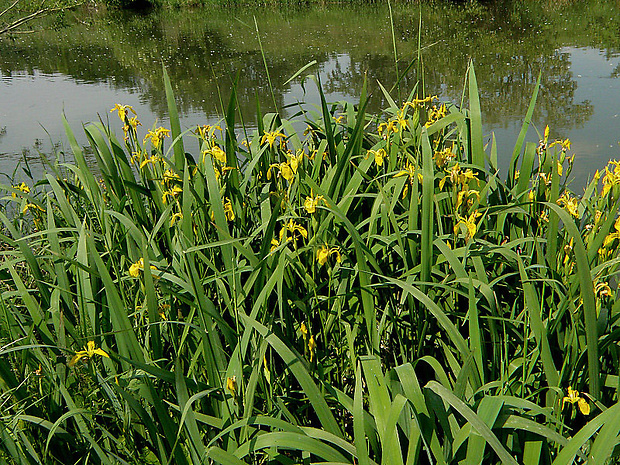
x,y
477,423
175,123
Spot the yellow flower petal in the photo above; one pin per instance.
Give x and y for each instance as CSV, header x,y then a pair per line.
x,y
311,347
231,385
89,351
322,254
310,205
583,405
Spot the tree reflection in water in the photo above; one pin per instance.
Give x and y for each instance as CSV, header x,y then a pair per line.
x,y
510,43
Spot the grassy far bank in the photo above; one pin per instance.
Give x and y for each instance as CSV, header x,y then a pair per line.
x,y
369,290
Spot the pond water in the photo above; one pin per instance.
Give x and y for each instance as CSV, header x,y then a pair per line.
x,y
103,58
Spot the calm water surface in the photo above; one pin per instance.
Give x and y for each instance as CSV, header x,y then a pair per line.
x,y
101,59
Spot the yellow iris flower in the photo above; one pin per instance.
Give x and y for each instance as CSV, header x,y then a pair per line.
x,y
172,193
133,124
295,160
175,217
566,143
311,347
206,131
435,114
457,176
379,155
231,385
325,251
465,194
170,176
292,229
285,168
469,223
442,157
602,289
614,235
228,210
134,269
152,160
217,153
570,204
411,172
574,398
611,178
88,352
123,110
311,202
157,136
385,129
270,138
34,206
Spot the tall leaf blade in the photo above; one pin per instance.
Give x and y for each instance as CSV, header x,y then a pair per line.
x,y
175,123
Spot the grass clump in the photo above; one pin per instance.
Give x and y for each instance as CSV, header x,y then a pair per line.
x,y
368,290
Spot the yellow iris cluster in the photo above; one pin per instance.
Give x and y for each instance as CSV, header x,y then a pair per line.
x,y
611,178
171,193
32,206
418,102
310,343
129,124
206,131
141,158
385,129
412,172
288,169
170,177
456,175
400,121
442,157
570,204
463,195
22,188
435,114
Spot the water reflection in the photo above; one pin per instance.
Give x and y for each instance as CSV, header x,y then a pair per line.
x,y
116,58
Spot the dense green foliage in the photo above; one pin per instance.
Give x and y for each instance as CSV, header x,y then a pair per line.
x,y
18,17
339,288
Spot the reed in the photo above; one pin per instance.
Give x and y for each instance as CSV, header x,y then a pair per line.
x,y
370,290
